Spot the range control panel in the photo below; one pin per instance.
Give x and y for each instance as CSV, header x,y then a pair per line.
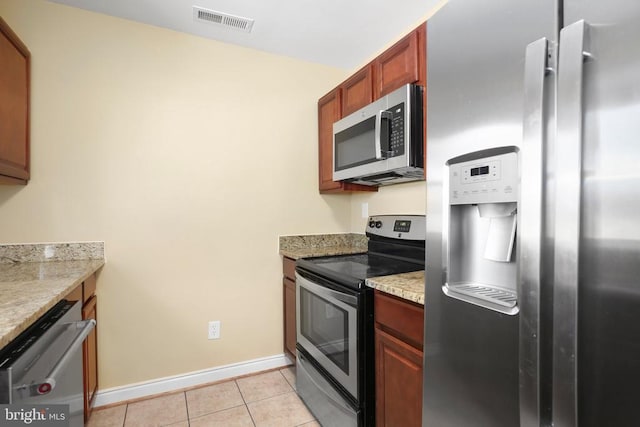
x,y
485,180
408,227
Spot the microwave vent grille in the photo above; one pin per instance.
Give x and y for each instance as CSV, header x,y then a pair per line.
x,y
222,19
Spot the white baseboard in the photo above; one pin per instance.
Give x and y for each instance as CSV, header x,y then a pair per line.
x,y
190,379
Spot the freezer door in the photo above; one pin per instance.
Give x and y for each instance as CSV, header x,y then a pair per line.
x,y
597,299
476,54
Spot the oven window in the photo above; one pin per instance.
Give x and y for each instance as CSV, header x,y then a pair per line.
x,y
326,326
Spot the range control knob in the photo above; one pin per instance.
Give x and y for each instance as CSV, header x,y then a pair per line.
x,y
378,224
372,223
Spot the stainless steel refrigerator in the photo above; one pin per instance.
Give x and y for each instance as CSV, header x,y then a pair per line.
x,y
532,295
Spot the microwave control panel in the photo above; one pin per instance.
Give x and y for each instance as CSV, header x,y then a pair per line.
x,y
396,133
485,180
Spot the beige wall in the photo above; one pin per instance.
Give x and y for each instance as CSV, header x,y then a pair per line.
x,y
188,157
408,198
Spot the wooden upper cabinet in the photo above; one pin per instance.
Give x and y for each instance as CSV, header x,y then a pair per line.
x,y
357,91
14,107
398,65
329,111
402,63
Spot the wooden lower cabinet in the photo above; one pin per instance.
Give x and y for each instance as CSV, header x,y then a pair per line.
x,y
90,358
399,358
85,293
398,382
289,306
290,317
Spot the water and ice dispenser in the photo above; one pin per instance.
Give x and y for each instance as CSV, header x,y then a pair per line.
x,y
480,229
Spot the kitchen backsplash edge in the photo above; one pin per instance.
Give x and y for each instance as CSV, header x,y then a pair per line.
x,y
45,252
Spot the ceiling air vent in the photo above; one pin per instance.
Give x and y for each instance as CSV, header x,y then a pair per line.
x,y
222,19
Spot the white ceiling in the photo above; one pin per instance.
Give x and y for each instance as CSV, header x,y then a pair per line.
x,y
339,33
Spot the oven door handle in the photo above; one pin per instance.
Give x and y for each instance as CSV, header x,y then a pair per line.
x,y
49,383
321,290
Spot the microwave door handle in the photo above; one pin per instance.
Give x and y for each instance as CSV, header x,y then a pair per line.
x,y
380,116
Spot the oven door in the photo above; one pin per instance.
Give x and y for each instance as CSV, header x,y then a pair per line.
x,y
327,323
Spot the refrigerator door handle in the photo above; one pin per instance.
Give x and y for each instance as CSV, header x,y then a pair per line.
x,y
573,39
531,230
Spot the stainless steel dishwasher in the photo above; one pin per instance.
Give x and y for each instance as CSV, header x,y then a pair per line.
x,y
43,365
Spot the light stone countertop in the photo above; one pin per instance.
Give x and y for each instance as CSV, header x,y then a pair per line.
x,y
28,288
409,286
314,245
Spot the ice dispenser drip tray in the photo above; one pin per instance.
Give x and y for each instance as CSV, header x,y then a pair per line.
x,y
497,297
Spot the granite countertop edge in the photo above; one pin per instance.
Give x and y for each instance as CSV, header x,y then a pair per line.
x,y
408,286
31,283
16,317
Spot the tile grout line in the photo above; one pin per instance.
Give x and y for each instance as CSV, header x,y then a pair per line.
x,y
124,420
246,406
186,404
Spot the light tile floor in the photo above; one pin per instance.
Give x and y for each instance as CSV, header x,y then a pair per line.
x,y
261,400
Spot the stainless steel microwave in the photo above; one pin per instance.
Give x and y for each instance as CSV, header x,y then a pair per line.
x,y
382,143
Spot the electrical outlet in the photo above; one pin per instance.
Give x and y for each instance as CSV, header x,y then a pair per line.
x,y
214,330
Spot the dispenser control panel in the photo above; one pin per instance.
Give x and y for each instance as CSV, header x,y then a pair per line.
x,y
491,179
485,171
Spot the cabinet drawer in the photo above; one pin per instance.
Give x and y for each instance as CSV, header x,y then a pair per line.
x,y
289,268
401,318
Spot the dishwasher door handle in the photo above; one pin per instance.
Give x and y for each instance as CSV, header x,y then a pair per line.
x,y
49,383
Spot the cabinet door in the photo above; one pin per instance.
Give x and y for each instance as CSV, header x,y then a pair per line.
x,y
397,66
357,91
398,382
90,355
14,107
328,113
289,316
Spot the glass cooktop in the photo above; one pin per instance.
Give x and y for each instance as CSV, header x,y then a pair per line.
x,y
352,270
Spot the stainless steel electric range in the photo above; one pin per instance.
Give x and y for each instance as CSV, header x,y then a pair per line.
x,y
335,337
